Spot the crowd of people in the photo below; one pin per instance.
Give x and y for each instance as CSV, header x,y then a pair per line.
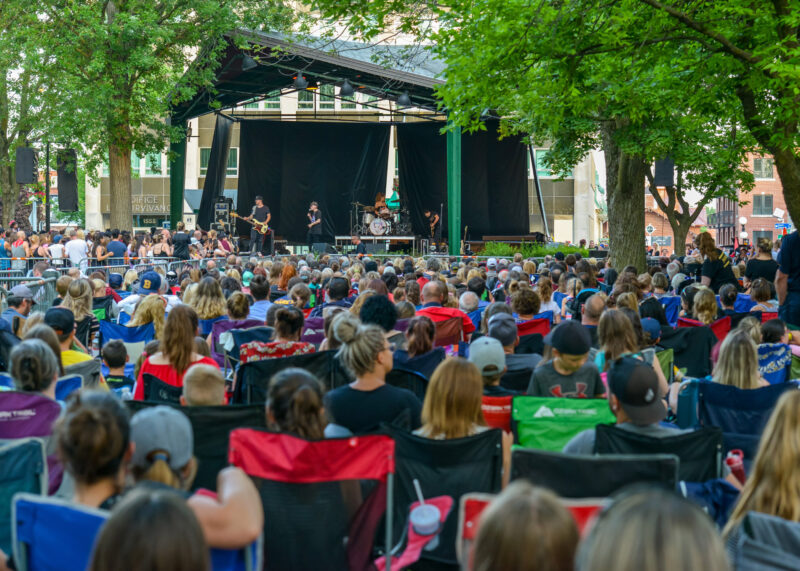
x,y
379,315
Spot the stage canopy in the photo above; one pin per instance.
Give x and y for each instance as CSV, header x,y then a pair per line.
x,y
348,160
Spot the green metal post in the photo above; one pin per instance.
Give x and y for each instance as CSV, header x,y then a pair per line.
x,y
454,189
177,179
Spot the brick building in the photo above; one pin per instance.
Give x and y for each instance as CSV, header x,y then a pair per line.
x,y
662,235
763,203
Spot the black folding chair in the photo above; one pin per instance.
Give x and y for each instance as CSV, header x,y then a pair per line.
x,y
211,426
444,467
410,380
572,476
253,377
517,380
533,343
699,451
158,391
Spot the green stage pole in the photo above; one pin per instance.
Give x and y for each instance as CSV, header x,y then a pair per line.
x,y
454,189
177,179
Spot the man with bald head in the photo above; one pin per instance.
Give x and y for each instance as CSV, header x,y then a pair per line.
x,y
468,303
591,311
434,294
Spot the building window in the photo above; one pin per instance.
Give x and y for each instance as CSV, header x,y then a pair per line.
x,y
349,102
273,100
305,99
761,234
369,102
762,169
153,164
326,98
233,161
136,164
762,205
205,155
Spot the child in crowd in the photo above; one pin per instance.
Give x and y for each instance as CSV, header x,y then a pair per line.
x,y
115,357
488,356
203,385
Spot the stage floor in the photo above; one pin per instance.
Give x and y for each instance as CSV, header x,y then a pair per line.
x,y
377,241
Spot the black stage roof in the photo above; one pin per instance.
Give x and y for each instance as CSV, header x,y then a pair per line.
x,y
385,71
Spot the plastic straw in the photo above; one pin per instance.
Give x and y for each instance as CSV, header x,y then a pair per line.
x,y
419,492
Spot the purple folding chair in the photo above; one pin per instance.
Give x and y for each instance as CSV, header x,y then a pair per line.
x,y
314,330
25,415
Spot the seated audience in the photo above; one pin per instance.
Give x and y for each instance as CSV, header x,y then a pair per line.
x,y
660,285
569,373
295,404
503,327
337,292
544,288
420,355
115,356
761,293
704,307
774,351
525,303
129,534
79,302
259,289
591,311
20,302
737,365
237,307
378,310
368,401
34,368
46,334
434,295
177,351
288,330
488,356
203,385
151,309
727,298
525,529
640,530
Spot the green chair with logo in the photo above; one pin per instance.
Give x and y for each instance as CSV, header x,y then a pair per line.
x,y
546,423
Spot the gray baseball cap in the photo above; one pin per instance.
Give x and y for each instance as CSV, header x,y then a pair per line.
x,y
162,428
487,352
503,328
22,291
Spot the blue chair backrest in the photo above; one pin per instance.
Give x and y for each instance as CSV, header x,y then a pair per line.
x,y
743,303
672,307
545,314
241,336
207,324
775,362
134,338
24,470
123,317
558,297
51,534
67,385
6,381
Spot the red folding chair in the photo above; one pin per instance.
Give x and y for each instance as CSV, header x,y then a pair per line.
x,y
540,325
767,315
497,412
448,332
720,328
323,499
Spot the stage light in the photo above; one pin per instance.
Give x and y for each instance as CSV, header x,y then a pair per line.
x,y
347,89
404,100
300,81
248,63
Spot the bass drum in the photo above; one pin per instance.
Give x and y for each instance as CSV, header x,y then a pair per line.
x,y
378,227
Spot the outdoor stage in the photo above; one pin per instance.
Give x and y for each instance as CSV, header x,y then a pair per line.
x,y
414,243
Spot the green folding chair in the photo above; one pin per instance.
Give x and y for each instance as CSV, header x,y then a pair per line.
x,y
545,423
666,359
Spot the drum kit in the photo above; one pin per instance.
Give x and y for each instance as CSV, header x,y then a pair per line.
x,y
383,222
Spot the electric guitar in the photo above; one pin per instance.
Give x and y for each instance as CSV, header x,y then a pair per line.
x,y
261,227
464,241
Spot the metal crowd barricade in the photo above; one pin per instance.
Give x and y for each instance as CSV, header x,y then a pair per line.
x,y
43,289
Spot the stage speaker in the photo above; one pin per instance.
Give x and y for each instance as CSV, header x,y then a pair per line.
x,y
67,167
25,166
323,248
379,248
665,172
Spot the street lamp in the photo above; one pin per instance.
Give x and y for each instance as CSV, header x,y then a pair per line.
x,y
742,220
743,235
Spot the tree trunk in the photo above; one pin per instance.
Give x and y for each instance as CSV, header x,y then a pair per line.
x,y
680,229
119,168
788,167
625,176
9,192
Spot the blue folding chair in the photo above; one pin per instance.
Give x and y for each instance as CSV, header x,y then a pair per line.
x,y
134,338
207,324
558,297
67,385
743,303
545,314
53,535
24,470
775,362
672,308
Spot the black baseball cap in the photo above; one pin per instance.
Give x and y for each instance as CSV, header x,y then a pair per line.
x,y
61,319
635,384
570,338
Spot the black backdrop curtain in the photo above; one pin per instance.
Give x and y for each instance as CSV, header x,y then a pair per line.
x,y
217,169
291,164
494,183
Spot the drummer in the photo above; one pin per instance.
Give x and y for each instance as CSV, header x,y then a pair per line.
x,y
381,209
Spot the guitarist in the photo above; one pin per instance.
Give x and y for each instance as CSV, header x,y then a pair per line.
x,y
260,213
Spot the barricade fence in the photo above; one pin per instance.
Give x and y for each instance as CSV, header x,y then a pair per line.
x,y
43,290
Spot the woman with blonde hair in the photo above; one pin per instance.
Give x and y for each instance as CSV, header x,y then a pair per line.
x,y
355,309
364,404
704,307
771,486
525,528
208,301
176,351
238,308
129,279
737,364
79,302
150,309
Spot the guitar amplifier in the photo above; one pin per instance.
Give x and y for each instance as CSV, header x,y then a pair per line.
x,y
222,208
